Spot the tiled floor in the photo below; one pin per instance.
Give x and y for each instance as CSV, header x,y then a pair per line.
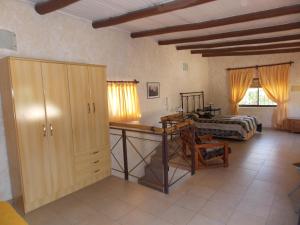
x,y
252,191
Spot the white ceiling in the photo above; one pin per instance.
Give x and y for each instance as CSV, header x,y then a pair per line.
x,y
100,9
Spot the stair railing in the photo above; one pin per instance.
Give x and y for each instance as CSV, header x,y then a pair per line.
x,y
165,133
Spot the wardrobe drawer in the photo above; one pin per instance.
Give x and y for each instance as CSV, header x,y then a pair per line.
x,y
91,156
100,174
93,162
96,154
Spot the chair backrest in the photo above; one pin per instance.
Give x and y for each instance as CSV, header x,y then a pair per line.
x,y
188,137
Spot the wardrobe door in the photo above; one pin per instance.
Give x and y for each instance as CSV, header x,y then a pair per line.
x,y
80,107
32,135
58,111
100,108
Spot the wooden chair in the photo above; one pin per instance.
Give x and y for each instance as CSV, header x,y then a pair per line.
x,y
206,149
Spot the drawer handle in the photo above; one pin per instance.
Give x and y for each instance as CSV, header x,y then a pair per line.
x,y
96,171
96,161
94,153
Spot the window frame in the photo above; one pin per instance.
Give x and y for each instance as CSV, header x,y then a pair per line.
x,y
257,105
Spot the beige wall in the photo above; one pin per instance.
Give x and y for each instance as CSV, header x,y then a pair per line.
x,y
219,90
62,37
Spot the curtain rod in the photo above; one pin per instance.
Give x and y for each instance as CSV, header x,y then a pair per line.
x,y
247,67
123,81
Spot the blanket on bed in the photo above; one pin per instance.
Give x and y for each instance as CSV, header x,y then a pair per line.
x,y
237,127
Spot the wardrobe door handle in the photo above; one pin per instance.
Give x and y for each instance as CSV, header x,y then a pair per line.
x,y
94,107
89,108
51,129
44,131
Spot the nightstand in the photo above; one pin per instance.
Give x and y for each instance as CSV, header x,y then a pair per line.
x,y
293,124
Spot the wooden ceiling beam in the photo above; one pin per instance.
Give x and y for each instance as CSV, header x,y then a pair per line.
x,y
247,48
151,11
240,42
264,52
239,33
282,11
52,5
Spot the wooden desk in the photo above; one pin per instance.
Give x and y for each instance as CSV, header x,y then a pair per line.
x,y
293,124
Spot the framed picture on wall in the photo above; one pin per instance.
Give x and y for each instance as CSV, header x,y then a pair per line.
x,y
153,89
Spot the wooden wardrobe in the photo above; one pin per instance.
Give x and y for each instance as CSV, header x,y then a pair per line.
x,y
56,125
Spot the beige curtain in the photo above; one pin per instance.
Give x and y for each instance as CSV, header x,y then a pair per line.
x,y
240,81
123,102
274,80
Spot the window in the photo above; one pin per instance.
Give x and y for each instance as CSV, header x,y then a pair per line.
x,y
256,97
123,101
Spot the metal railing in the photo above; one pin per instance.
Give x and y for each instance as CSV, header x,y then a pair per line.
x,y
163,137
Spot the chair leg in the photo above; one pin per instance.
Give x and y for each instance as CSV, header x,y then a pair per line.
x,y
197,160
202,161
225,157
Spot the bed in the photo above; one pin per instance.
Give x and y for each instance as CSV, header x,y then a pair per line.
x,y
239,127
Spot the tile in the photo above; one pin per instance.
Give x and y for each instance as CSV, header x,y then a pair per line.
x,y
263,186
203,220
96,219
173,195
278,216
135,196
44,216
259,197
202,191
242,179
284,202
252,207
224,198
155,206
234,188
137,217
160,222
218,212
113,208
213,182
244,218
190,201
177,215
71,209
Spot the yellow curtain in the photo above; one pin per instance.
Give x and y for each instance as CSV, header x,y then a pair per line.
x,y
240,81
123,102
275,82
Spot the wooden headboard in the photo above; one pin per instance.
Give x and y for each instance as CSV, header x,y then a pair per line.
x,y
192,101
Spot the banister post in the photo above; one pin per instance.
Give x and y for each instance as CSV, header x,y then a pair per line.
x,y
125,159
165,156
193,166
